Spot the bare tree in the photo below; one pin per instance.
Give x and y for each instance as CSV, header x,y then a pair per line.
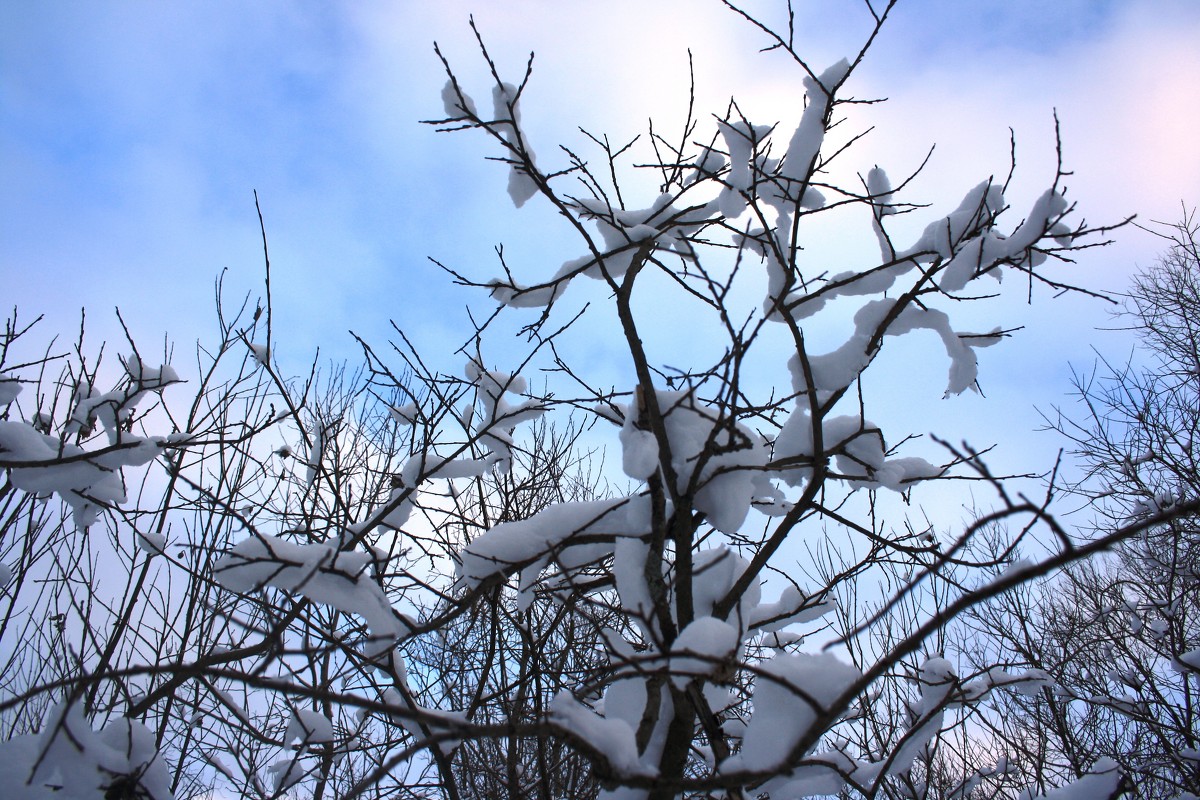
x,y
393,584
498,662
108,571
1119,637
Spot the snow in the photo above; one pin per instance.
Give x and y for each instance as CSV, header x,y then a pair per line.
x,y
1063,234
848,284
732,458
810,134
309,727
976,211
821,774
701,649
557,528
741,139
18,755
41,465
629,572
516,296
150,542
113,409
1029,683
1101,781
320,572
400,504
612,737
723,484
407,414
792,692
426,465
792,607
315,453
780,639
9,389
625,233
716,570
421,721
639,450
859,449
879,187
457,103
625,700
507,115
288,771
836,370
964,237
1190,659
147,378
260,352
708,165
70,761
1153,503
499,415
937,680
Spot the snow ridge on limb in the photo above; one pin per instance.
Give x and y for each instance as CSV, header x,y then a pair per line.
x,y
794,691
1103,781
805,146
626,235
343,579
571,534
499,415
88,480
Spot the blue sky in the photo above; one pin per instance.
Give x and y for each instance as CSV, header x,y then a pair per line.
x,y
132,136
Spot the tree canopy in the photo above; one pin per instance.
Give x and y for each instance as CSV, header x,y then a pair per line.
x,y
398,582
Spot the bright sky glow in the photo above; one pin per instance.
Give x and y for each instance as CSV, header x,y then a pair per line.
x,y
132,136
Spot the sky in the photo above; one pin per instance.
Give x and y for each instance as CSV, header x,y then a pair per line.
x,y
133,136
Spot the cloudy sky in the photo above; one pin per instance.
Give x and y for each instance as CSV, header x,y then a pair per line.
x,y
133,134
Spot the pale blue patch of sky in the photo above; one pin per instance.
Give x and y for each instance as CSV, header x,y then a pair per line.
x,y
963,28
132,136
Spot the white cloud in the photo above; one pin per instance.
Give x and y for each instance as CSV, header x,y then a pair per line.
x,y
134,135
